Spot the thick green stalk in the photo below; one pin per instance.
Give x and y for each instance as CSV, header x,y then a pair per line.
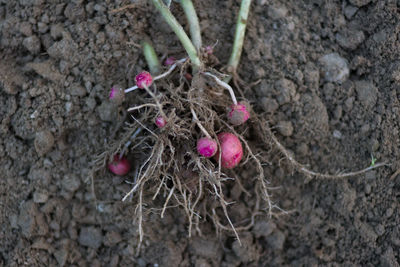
x,y
182,36
239,35
151,58
193,20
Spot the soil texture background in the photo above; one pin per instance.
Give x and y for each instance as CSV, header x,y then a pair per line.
x,y
325,74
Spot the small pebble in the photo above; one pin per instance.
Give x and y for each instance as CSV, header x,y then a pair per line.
x,y
77,90
349,103
40,197
276,240
286,90
90,237
350,11
334,68
285,128
277,12
366,93
337,134
380,229
44,142
269,105
71,182
367,189
32,44
263,228
350,39
107,111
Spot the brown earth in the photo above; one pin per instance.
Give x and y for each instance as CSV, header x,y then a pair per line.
x,y
329,79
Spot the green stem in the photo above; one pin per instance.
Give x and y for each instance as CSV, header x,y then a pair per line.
x,y
151,58
195,32
177,28
239,35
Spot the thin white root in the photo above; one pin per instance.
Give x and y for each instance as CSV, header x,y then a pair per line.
x,y
134,188
310,173
130,89
140,227
144,127
142,106
160,109
162,75
167,200
127,144
223,84
199,124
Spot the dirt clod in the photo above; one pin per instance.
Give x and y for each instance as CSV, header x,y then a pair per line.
x,y
263,228
350,39
44,142
334,68
32,44
285,128
366,93
246,252
90,237
276,240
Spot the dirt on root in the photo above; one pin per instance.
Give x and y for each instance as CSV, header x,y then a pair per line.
x,y
324,74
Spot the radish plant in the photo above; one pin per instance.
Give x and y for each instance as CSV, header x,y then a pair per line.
x,y
186,132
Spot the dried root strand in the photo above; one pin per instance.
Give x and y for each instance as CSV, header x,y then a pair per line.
x,y
264,128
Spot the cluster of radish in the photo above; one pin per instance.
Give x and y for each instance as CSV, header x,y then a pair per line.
x,y
230,149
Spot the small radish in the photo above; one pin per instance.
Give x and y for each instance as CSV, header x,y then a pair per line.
x,y
160,122
238,114
143,79
117,95
231,148
169,61
207,147
188,76
209,49
119,166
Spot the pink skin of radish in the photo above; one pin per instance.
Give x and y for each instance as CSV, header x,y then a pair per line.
x,y
232,151
169,61
209,49
238,114
117,94
160,122
119,166
207,147
143,79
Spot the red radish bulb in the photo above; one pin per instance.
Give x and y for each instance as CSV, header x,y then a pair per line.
x,y
169,61
207,147
209,49
238,114
119,166
143,79
231,148
188,76
117,94
160,122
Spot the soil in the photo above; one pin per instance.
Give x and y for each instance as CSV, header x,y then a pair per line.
x,y
328,81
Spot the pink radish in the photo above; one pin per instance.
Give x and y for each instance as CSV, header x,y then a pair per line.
x,y
209,49
117,94
169,61
160,122
207,147
119,166
143,79
238,114
232,150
